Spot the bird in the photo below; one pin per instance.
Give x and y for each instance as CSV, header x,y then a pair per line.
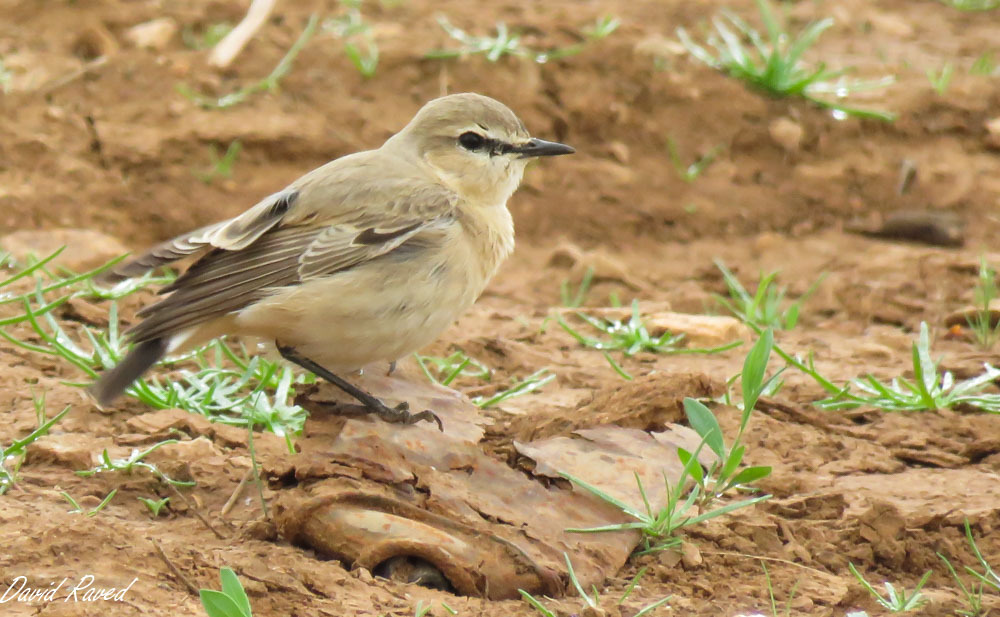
x,y
367,258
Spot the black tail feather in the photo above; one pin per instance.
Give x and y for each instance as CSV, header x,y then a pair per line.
x,y
112,383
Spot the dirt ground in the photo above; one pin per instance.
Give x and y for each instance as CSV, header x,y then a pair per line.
x,y
110,145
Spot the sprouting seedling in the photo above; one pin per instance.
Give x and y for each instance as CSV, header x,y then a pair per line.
x,y
894,601
929,389
984,330
12,456
941,79
134,462
774,66
690,173
973,593
660,527
444,370
592,600
232,601
494,48
632,336
352,27
988,578
507,42
155,506
985,64
47,282
208,38
770,593
575,300
222,166
765,307
724,474
267,84
519,387
77,509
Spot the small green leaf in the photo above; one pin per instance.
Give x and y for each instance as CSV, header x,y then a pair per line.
x,y
754,368
232,587
703,421
692,466
218,604
751,475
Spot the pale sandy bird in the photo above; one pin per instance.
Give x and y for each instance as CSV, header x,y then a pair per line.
x,y
367,258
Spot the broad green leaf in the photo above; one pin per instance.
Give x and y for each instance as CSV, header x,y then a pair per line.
x,y
232,587
703,421
218,604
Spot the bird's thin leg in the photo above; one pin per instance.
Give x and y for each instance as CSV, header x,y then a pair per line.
x,y
400,414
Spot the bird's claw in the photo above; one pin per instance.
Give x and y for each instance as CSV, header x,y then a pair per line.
x,y
400,414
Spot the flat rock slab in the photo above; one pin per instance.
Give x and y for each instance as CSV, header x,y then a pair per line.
x,y
393,498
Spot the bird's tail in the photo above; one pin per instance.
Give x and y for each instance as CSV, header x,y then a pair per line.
x,y
112,383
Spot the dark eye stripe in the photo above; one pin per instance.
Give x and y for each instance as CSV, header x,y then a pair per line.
x,y
475,143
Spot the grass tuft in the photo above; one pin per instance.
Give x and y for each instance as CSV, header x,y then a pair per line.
x,y
507,42
659,528
894,601
632,337
267,84
765,307
222,166
592,600
220,382
775,66
12,456
984,331
360,45
690,173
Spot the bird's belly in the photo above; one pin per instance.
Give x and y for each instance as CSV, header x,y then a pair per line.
x,y
372,313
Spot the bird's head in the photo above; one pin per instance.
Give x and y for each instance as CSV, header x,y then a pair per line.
x,y
474,145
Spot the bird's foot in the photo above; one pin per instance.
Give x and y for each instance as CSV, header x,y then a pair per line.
x,y
400,414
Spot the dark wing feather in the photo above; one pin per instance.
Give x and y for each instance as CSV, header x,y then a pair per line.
x,y
224,281
233,234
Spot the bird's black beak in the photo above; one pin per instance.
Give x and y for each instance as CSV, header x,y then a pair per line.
x,y
539,147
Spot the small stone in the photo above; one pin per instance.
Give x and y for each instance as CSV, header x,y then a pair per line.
x,y
74,450
894,25
659,46
155,34
787,133
670,558
619,151
690,556
593,611
85,249
363,575
699,330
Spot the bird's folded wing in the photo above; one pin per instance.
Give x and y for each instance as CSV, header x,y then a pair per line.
x,y
224,281
232,234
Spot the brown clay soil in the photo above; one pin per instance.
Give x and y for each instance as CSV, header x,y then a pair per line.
x,y
111,146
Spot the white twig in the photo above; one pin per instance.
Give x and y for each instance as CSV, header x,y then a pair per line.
x,y
229,47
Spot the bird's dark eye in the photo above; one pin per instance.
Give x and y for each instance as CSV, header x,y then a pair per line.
x,y
471,141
